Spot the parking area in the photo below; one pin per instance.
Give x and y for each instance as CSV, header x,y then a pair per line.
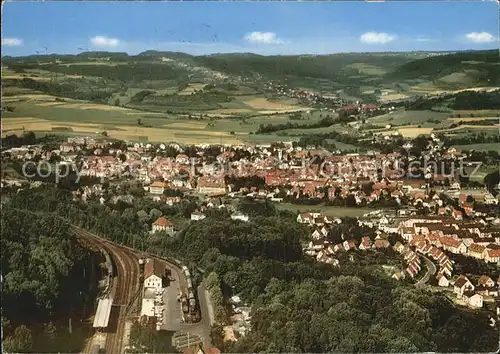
x,y
173,317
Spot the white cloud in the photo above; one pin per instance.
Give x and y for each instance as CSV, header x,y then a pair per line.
x,y
103,41
263,38
12,42
425,39
480,37
376,37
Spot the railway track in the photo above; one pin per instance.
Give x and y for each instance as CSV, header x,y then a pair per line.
x,y
127,267
128,274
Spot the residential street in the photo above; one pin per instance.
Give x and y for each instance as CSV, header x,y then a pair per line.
x,y
431,270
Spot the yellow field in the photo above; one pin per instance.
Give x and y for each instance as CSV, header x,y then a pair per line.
x,y
11,99
263,103
231,111
414,132
367,69
467,126
41,75
100,107
36,97
285,111
195,135
23,76
20,124
191,137
479,111
435,91
190,89
473,119
51,104
392,97
186,125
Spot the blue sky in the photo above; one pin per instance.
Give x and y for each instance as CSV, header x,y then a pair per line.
x,y
258,27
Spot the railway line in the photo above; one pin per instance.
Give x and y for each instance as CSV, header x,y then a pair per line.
x,y
127,285
126,292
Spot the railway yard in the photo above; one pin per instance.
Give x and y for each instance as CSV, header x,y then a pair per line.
x,y
120,302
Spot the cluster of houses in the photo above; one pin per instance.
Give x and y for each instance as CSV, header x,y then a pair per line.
x,y
474,295
163,224
324,250
472,238
288,172
426,236
412,260
437,236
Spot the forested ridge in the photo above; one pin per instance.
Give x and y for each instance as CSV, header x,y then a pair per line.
x,y
42,266
298,304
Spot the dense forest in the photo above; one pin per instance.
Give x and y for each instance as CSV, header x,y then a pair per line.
x,y
301,306
63,90
271,128
298,305
477,100
126,72
333,67
42,267
484,63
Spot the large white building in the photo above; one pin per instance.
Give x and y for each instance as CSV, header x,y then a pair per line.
x,y
153,275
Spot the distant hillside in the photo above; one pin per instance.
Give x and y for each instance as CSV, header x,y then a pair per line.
x,y
367,76
333,67
454,70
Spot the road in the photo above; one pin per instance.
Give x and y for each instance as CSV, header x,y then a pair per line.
x,y
431,270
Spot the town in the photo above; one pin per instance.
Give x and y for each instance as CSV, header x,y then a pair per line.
x,y
431,222
253,177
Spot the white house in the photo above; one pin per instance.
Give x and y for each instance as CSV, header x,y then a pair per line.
x,y
473,300
485,281
307,218
383,221
461,285
157,187
153,275
239,216
492,256
163,224
197,216
442,281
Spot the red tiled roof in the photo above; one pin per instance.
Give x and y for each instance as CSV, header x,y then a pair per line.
x,y
153,267
476,248
449,241
162,221
494,253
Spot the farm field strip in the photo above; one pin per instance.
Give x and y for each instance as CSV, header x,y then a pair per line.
x,y
473,119
470,126
414,132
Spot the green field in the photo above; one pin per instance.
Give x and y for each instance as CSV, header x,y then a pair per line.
x,y
482,172
402,117
334,211
478,147
161,96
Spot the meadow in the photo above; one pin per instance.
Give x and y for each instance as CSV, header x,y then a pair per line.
x,y
212,99
333,211
38,112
